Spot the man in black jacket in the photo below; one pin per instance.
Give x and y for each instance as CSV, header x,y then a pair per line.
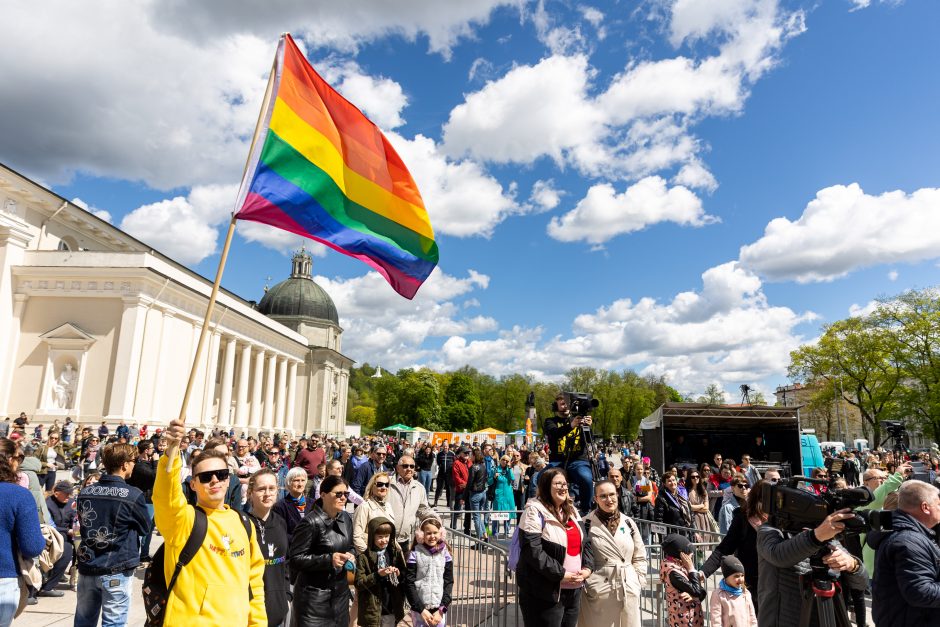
x,y
445,474
62,510
625,500
142,478
568,449
906,589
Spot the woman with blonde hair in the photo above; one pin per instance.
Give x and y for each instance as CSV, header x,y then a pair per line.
x,y
376,504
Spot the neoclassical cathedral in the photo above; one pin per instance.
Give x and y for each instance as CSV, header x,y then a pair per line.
x,y
97,325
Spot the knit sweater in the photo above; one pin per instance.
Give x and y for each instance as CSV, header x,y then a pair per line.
x,y
19,525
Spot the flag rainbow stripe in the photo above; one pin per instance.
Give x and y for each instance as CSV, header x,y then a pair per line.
x,y
326,172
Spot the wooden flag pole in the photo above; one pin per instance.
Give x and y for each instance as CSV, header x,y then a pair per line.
x,y
208,318
253,148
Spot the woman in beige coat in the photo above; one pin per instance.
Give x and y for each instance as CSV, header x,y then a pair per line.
x,y
612,592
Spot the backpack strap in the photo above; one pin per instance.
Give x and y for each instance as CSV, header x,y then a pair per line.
x,y
246,522
193,543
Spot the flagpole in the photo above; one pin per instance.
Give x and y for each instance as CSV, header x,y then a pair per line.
x,y
253,148
205,323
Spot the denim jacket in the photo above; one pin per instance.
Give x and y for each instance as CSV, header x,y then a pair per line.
x,y
113,516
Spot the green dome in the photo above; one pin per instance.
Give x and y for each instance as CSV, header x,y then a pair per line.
x,y
299,296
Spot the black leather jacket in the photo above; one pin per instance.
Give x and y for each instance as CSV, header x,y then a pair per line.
x,y
477,480
321,593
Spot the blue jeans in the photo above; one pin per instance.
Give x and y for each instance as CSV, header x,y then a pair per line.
x,y
9,599
425,478
108,595
145,539
478,502
580,483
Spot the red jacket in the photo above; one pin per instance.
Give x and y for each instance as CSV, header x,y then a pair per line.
x,y
461,474
309,460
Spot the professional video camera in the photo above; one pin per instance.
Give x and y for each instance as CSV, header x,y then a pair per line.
x,y
580,403
792,509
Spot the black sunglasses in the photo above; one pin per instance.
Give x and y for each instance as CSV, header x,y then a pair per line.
x,y
381,484
407,465
206,475
340,495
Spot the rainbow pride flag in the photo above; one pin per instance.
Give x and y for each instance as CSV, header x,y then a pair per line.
x,y
321,169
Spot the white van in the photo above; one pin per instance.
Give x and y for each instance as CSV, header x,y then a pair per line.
x,y
834,448
860,444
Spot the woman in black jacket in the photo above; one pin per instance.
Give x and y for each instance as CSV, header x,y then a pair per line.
x,y
555,556
671,507
272,537
476,487
425,460
321,552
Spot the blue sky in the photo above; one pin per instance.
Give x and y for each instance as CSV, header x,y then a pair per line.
x,y
688,188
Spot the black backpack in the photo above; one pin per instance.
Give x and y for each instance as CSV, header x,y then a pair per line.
x,y
155,589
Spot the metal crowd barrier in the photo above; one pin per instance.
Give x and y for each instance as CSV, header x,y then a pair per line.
x,y
485,591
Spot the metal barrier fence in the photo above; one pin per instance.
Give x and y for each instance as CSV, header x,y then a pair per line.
x,y
485,591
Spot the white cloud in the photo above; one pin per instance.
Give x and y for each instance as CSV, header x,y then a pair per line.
x,y
595,18
183,227
531,111
695,175
341,25
860,311
282,241
177,105
545,196
461,198
604,214
893,275
727,332
640,123
382,327
844,229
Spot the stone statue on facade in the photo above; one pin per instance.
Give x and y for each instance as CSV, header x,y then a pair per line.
x,y
64,390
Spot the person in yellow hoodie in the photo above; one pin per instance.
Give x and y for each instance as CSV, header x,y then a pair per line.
x,y
224,583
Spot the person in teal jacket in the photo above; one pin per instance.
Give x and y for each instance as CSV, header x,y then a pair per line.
x,y
504,500
881,485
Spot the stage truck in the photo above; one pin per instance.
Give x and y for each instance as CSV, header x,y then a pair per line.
x,y
687,434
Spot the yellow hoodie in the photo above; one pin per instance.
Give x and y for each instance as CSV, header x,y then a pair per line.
x,y
213,588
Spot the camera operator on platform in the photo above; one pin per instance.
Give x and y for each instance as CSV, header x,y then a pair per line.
x,y
783,561
569,450
906,590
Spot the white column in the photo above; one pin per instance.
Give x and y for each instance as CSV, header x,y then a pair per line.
x,y
127,359
165,355
8,369
256,392
225,392
212,363
241,392
15,237
279,408
267,419
291,394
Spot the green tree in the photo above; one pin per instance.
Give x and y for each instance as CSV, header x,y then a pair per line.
x,y
461,402
363,416
862,359
714,395
912,320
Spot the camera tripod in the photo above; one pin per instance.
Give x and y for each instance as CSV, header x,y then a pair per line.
x,y
820,590
587,437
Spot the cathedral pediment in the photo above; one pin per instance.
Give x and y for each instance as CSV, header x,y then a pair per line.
x,y
68,335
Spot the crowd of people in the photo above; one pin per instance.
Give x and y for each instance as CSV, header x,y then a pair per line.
x,y
328,531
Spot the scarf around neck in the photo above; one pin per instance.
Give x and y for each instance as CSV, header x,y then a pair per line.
x,y
299,502
610,520
730,589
